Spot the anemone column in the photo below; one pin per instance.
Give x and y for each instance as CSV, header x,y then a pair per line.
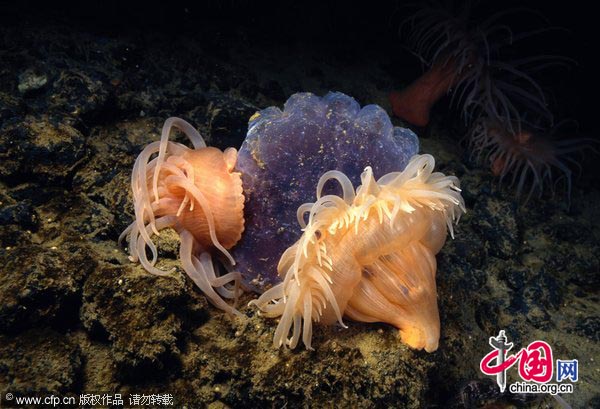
x,y
414,102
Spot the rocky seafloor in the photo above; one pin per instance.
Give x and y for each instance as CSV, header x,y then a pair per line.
x,y
77,317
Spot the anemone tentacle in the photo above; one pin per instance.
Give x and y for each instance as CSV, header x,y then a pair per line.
x,y
401,217
197,193
470,54
528,157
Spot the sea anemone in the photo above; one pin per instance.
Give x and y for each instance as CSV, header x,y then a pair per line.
x,y
368,255
197,193
475,59
530,157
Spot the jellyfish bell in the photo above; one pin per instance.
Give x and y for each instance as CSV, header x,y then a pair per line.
x,y
285,153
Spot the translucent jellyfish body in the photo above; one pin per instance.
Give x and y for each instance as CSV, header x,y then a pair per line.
x,y
284,155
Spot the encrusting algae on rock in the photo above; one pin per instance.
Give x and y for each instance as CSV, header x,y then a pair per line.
x,y
78,317
368,255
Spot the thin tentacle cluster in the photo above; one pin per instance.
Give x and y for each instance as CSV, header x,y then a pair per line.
x,y
368,255
486,82
197,193
511,124
529,158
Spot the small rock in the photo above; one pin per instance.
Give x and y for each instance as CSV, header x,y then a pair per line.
x,y
9,107
79,93
38,362
17,221
89,219
22,214
40,285
144,317
588,327
31,80
496,223
40,146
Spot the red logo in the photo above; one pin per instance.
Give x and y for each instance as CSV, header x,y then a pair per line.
x,y
535,361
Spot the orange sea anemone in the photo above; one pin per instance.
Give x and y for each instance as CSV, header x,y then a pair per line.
x,y
197,193
369,255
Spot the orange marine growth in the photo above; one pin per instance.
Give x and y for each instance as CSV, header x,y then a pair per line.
x,y
368,256
197,193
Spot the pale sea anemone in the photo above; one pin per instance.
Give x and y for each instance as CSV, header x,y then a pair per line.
x,y
506,109
531,158
368,255
197,193
476,59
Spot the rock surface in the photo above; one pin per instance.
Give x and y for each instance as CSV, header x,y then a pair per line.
x,y
77,317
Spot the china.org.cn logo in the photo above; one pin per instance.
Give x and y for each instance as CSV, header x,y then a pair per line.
x,y
535,365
